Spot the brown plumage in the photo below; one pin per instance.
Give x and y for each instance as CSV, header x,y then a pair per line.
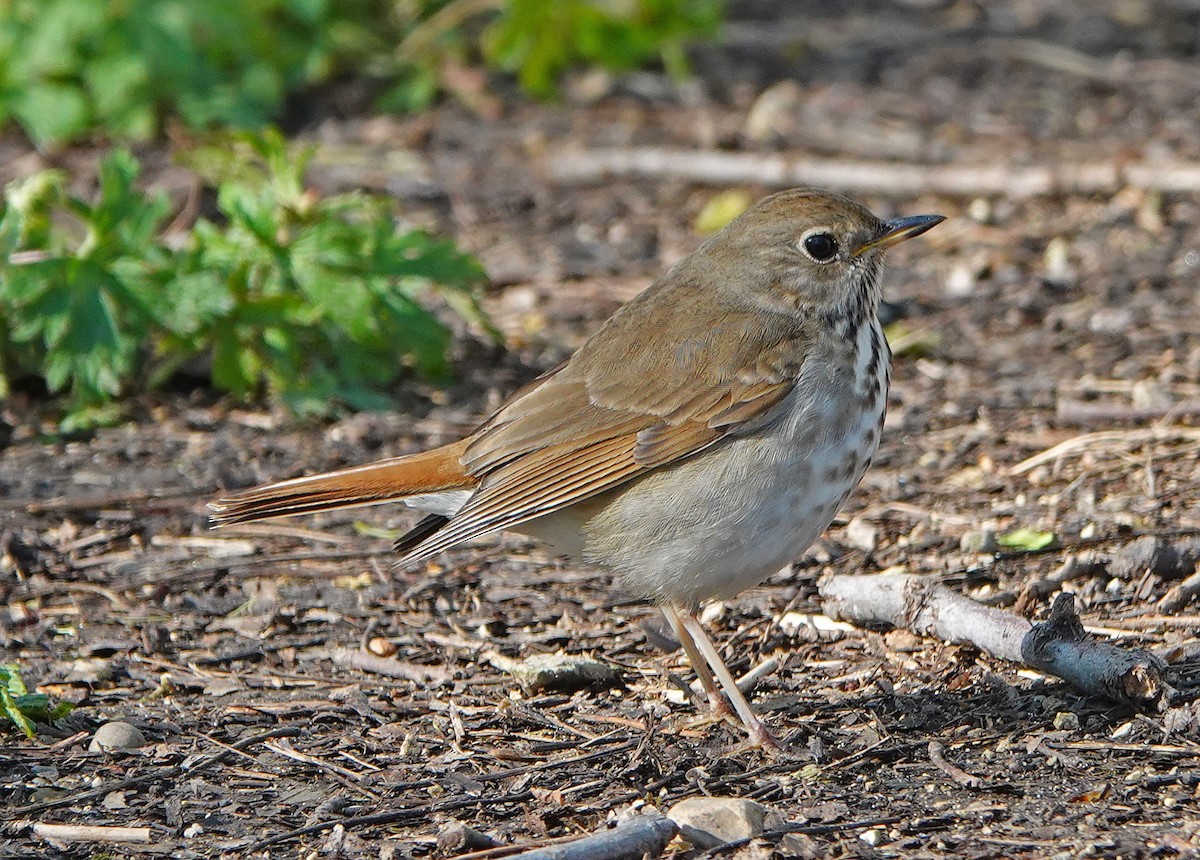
x,y
699,440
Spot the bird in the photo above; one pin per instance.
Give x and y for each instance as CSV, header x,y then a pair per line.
x,y
696,443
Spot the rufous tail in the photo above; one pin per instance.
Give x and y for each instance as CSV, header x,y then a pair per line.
x,y
384,481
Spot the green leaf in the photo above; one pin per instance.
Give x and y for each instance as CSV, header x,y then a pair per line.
x,y
52,112
1026,540
23,707
10,676
715,214
13,712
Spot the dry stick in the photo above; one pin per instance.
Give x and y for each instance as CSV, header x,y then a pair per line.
x,y
735,168
1114,440
644,836
389,667
1086,412
90,833
937,755
67,504
1058,646
1180,595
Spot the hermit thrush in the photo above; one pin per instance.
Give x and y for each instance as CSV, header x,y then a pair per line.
x,y
695,444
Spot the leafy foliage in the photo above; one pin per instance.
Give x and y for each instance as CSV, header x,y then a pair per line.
x,y
539,40
67,66
308,300
71,67
24,708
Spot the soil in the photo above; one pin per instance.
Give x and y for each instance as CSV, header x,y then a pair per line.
x,y
1020,324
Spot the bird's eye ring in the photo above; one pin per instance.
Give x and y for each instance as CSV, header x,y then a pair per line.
x,y
820,246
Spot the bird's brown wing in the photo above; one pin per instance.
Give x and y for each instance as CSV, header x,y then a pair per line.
x,y
607,416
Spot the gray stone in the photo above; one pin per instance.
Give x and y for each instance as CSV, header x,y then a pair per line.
x,y
116,735
707,822
979,541
560,672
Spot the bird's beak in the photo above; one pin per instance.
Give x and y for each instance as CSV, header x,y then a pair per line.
x,y
899,229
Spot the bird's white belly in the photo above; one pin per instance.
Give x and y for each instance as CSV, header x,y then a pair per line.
x,y
718,523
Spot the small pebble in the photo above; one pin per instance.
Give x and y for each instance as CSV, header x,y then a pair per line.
x,y
116,735
860,534
1066,721
983,540
381,647
561,672
707,822
960,281
980,210
1057,262
456,838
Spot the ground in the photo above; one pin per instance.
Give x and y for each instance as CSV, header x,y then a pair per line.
x,y
1026,321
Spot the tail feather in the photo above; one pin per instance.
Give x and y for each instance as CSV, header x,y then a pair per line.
x,y
384,481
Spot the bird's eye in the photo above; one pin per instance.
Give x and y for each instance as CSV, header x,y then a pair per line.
x,y
822,247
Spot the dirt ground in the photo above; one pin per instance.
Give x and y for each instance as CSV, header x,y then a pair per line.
x,y
1024,322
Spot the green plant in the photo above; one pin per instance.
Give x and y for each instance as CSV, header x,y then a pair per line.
x,y
538,40
79,296
312,301
67,66
70,68
23,707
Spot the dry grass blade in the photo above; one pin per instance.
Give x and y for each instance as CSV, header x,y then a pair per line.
x,y
1108,441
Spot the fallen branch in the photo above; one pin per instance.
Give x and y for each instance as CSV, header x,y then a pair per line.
x,y
1058,646
1180,595
644,836
388,666
736,168
90,833
1087,413
937,755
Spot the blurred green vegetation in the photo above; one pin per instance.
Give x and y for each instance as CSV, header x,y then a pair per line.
x,y
121,69
310,301
280,294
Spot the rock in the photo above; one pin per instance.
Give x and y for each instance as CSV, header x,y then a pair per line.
x,y
1066,721
456,838
707,822
1168,558
117,735
1057,269
860,534
561,672
979,541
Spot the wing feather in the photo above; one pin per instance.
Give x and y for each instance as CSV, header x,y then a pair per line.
x,y
612,413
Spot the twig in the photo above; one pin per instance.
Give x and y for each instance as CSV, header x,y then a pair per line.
x,y
644,836
1058,646
1089,412
1180,594
64,504
388,666
246,566
734,168
90,832
1107,439
937,755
